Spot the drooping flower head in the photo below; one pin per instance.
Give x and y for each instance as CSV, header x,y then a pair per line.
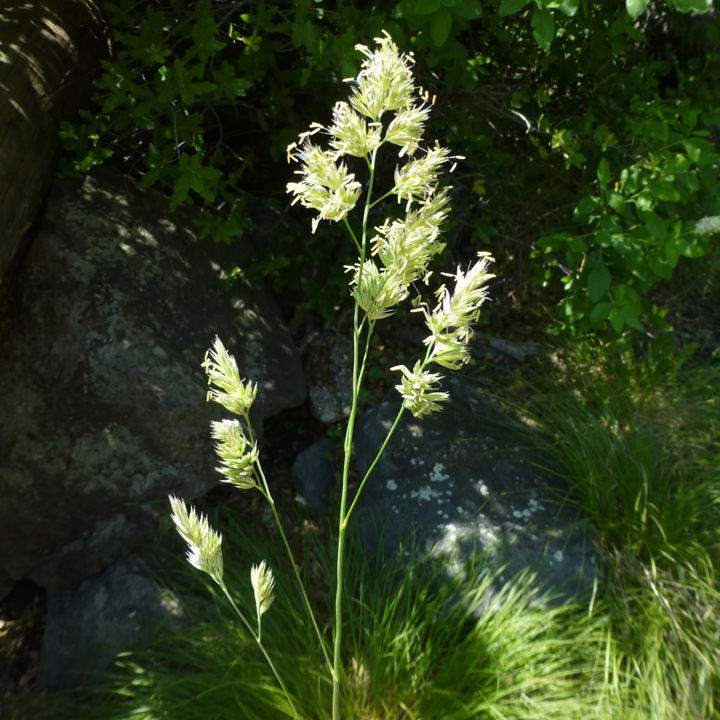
x,y
204,544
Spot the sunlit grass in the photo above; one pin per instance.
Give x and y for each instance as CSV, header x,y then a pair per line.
x,y
642,455
417,646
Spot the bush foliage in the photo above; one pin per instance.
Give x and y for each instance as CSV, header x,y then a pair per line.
x,y
591,130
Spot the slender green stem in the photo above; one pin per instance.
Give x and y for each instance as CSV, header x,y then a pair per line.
x,y
265,489
256,636
349,433
386,195
374,462
352,234
425,362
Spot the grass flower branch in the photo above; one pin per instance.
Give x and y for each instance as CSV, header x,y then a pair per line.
x,y
385,108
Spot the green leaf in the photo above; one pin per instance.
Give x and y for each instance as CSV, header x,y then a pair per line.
x,y
616,319
636,8
603,171
468,9
686,6
655,225
657,260
630,316
616,201
426,7
440,27
510,7
700,151
544,24
600,313
570,7
598,283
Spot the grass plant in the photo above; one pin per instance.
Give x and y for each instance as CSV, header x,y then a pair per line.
x,y
414,647
641,451
401,643
385,112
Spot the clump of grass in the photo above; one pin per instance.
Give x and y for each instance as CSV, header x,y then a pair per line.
x,y
416,646
641,452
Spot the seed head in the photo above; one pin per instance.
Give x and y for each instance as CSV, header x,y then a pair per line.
x,y
418,390
238,461
204,544
229,390
450,321
385,81
263,584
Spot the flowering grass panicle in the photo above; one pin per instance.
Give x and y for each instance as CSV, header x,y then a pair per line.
x,y
385,82
229,390
238,462
390,261
418,390
204,544
263,584
451,320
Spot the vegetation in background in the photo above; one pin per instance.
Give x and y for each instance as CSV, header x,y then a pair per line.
x,y
638,442
591,130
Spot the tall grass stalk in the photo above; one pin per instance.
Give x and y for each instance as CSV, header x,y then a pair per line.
x,y
385,111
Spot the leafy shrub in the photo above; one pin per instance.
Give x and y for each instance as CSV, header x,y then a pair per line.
x,y
590,129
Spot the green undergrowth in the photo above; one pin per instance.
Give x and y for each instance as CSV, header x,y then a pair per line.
x,y
638,443
412,650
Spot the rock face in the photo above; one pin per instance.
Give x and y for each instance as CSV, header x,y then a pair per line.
x,y
49,51
459,483
115,611
103,403
314,475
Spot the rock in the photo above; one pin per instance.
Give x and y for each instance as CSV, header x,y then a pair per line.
x,y
314,475
329,376
114,612
460,483
104,328
50,52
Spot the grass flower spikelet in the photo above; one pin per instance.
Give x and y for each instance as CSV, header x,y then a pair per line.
x,y
450,321
204,544
263,584
326,186
407,127
418,179
420,396
232,448
351,134
229,390
385,81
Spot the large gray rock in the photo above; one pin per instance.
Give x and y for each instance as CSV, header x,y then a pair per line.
x,y
86,628
50,50
314,474
460,484
103,329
